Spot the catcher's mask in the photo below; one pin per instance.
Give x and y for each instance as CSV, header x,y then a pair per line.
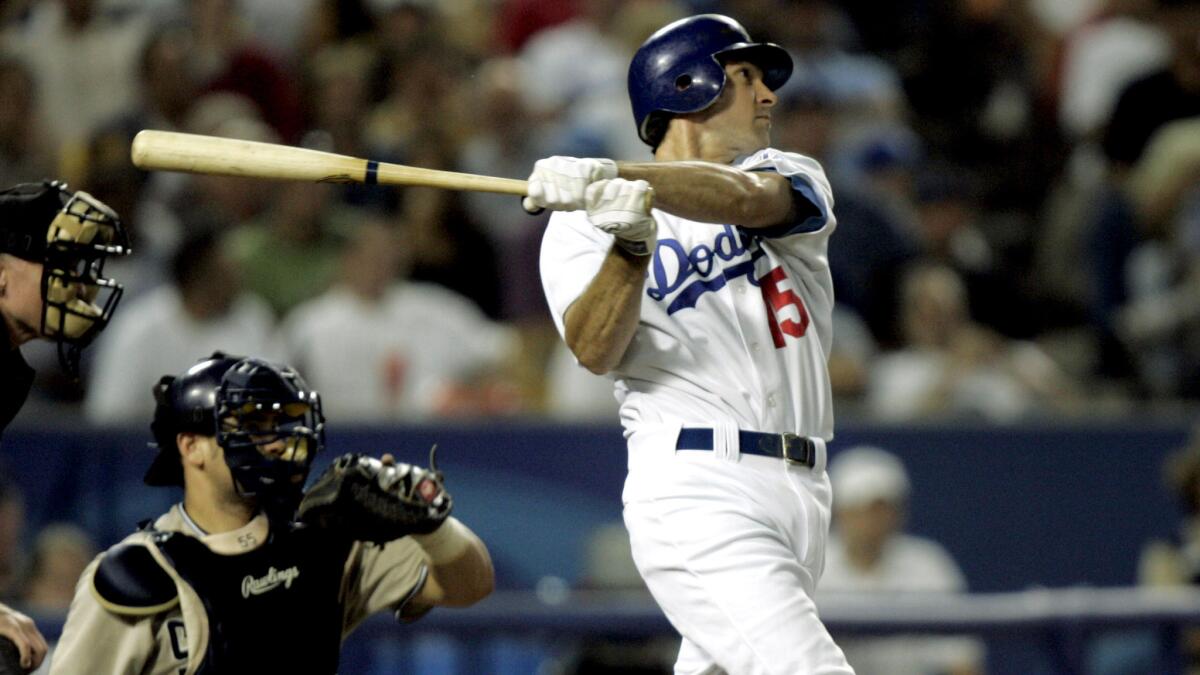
x,y
71,234
264,416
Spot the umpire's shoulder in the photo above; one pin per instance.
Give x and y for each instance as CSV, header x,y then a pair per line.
x,y
130,580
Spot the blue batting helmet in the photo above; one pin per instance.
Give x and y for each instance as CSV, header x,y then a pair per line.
x,y
678,69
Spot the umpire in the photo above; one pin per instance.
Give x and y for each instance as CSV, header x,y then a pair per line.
x,y
53,245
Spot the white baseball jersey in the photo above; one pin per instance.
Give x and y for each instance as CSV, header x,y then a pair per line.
x,y
734,333
735,326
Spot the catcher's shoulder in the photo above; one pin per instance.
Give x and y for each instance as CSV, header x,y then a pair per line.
x,y
129,580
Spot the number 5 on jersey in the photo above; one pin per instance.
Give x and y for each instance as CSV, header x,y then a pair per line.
x,y
777,299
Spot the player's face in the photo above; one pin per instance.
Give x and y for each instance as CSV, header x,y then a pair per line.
x,y
270,431
21,298
742,115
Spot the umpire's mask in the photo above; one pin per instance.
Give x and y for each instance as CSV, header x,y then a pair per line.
x,y
71,235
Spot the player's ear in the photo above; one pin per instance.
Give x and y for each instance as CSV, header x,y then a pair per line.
x,y
191,451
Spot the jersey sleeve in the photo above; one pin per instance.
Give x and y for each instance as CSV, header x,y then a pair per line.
x,y
381,577
809,183
571,256
95,640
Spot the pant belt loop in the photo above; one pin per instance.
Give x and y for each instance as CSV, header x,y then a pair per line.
x,y
819,450
725,442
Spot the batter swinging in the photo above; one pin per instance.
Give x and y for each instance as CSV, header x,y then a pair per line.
x,y
713,316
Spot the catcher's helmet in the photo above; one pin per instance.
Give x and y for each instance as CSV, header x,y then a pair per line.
x,y
71,234
678,69
251,407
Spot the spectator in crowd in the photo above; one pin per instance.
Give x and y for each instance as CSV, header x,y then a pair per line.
x,y
869,552
824,44
447,245
423,99
25,151
338,96
951,366
304,230
331,22
506,143
1175,561
574,393
203,310
1133,213
1160,322
519,20
1170,93
1100,57
585,93
60,553
608,567
231,60
83,61
202,199
383,347
12,528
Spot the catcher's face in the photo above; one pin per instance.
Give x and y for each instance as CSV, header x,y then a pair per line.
x,y
269,449
279,436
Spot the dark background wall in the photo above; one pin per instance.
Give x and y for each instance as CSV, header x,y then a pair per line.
x,y
1018,507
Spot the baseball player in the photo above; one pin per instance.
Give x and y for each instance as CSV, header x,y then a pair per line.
x,y
53,244
712,313
226,581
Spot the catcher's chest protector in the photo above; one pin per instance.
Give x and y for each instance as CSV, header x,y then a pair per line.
x,y
272,610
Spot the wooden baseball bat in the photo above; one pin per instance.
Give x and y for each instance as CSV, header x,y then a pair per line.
x,y
193,153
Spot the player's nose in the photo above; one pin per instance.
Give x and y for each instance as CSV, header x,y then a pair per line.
x,y
766,97
275,448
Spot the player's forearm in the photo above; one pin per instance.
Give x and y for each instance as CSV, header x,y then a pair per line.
x,y
601,323
714,193
460,565
472,574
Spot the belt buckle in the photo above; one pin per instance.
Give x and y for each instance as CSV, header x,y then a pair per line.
x,y
785,440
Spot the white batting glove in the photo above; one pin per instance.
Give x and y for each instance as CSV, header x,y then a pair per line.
x,y
559,183
620,208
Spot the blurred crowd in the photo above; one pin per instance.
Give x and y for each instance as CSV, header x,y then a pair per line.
x,y
1017,188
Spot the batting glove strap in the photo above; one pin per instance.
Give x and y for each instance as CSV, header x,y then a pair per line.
x,y
618,207
560,183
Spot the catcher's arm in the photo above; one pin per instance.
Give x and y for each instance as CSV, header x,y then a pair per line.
x,y
460,569
380,500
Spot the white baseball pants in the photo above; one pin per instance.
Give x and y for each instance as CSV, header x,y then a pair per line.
x,y
731,547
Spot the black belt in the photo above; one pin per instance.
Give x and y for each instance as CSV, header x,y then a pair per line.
x,y
793,448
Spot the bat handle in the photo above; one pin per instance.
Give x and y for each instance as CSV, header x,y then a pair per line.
x,y
10,658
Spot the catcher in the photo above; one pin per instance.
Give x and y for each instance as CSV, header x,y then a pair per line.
x,y
250,574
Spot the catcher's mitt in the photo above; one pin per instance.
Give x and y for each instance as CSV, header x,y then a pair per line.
x,y
368,500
